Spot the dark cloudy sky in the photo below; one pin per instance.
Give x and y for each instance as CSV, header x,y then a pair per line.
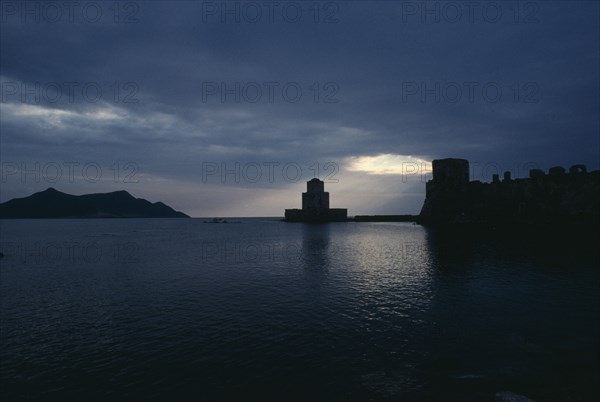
x,y
226,109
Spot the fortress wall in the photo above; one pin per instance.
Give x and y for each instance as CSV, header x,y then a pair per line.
x,y
556,196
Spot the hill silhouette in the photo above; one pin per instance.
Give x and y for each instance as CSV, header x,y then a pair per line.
x,y
52,203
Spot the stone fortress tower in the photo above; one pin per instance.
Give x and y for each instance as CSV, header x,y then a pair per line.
x,y
315,197
315,206
445,194
450,174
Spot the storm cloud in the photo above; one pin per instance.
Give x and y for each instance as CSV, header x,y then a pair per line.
x,y
227,108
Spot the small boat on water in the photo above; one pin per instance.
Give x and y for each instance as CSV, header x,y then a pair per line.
x,y
216,220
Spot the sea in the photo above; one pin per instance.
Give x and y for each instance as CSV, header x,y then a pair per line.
x,y
257,309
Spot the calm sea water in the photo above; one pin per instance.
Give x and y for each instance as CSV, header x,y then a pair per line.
x,y
181,310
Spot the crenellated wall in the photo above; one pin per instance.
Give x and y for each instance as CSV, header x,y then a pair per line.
x,y
556,197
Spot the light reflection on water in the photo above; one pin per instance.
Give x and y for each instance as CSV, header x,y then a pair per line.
x,y
263,310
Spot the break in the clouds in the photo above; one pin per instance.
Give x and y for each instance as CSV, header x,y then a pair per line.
x,y
227,108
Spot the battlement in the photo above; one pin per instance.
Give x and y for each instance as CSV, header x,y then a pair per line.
x,y
542,197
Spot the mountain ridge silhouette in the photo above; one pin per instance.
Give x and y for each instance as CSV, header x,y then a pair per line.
x,y
52,203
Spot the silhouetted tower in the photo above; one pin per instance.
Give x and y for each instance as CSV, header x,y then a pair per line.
x,y
315,206
315,197
450,175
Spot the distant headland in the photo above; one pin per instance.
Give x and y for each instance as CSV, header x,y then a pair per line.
x,y
52,203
